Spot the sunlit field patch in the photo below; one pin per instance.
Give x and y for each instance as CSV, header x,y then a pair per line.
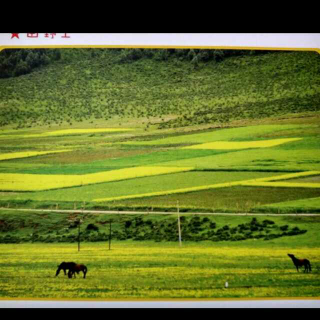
x,y
312,179
283,184
230,145
294,175
33,182
67,132
19,155
84,131
276,182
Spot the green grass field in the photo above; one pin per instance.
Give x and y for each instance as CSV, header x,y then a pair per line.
x,y
147,270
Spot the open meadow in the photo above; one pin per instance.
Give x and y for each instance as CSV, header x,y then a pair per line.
x,y
142,270
159,132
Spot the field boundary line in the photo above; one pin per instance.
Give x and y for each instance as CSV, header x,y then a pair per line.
x,y
160,212
289,176
283,185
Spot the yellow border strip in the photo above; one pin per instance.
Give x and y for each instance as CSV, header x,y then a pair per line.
x,y
163,299
157,47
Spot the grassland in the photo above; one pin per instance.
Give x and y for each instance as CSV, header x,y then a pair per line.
x,y
149,270
301,205
238,136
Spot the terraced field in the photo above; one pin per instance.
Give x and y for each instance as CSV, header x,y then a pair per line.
x,y
235,158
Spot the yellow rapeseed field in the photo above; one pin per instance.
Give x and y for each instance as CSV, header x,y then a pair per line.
x,y
66,132
18,155
283,185
270,182
291,176
229,145
38,182
83,131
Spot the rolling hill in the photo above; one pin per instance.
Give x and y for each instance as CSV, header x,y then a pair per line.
x,y
160,89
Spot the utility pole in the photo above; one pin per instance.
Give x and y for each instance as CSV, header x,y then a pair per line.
x,y
110,236
79,222
179,226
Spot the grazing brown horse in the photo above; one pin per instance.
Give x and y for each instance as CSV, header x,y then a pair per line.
x,y
76,268
65,266
300,263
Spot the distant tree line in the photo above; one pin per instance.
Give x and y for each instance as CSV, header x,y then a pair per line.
x,y
195,56
17,62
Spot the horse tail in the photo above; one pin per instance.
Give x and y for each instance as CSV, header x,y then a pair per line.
x,y
309,265
85,270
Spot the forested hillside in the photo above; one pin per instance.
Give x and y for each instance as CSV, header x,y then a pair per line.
x,y
17,62
156,88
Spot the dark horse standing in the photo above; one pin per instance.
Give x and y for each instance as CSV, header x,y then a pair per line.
x,y
76,269
73,268
300,263
65,266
